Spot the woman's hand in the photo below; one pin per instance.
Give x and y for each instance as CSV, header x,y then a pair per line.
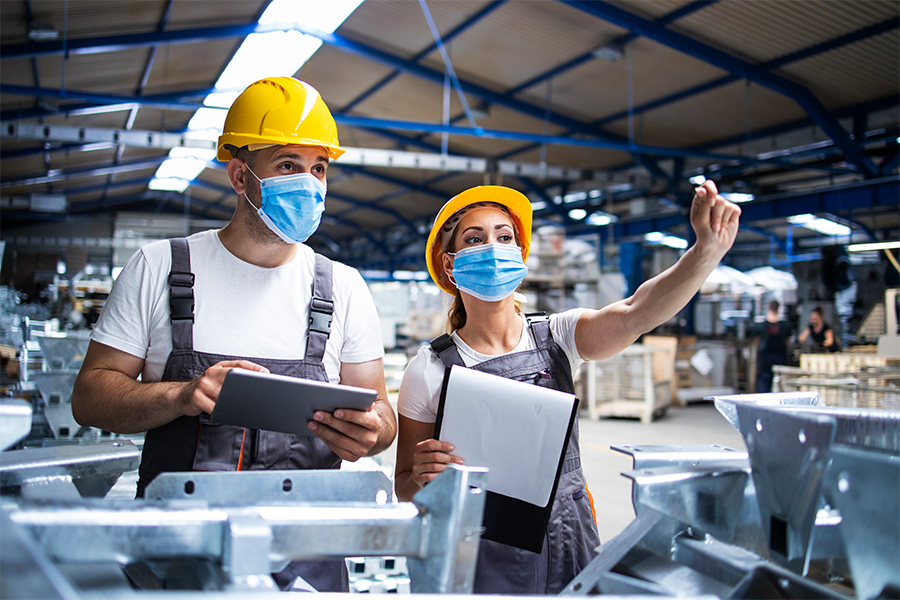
x,y
430,458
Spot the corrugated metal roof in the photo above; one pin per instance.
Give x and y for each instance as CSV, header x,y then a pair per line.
x,y
529,71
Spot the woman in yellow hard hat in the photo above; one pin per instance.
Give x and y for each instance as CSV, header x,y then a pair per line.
x,y
476,252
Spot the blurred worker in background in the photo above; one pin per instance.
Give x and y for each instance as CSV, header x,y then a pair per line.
x,y
251,295
476,252
818,333
773,346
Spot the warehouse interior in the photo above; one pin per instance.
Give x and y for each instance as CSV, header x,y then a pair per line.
x,y
606,114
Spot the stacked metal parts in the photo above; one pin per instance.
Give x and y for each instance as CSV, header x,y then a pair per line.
x,y
811,510
219,532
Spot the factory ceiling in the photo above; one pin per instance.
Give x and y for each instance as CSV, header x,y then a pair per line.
x,y
588,107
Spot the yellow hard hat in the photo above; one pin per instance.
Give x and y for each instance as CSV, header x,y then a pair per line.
x,y
515,202
279,111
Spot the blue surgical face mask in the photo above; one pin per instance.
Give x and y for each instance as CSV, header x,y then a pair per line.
x,y
291,206
490,272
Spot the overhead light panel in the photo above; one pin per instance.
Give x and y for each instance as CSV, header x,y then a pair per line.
x,y
610,52
601,218
820,225
697,179
873,246
737,197
42,33
577,214
674,242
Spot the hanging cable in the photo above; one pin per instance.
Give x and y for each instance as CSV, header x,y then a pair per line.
x,y
447,64
630,56
65,53
445,120
547,102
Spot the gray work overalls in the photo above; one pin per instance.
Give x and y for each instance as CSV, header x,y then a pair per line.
x,y
195,444
572,533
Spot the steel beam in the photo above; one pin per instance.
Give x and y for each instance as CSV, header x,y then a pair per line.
x,y
813,107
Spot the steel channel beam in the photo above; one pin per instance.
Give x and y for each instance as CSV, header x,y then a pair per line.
x,y
439,531
92,468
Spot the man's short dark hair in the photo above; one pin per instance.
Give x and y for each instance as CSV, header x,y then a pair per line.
x,y
774,305
818,309
243,153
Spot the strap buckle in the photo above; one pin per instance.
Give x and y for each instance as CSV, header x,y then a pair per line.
x,y
181,279
320,315
181,296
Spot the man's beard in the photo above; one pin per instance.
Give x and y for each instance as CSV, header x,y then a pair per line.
x,y
258,231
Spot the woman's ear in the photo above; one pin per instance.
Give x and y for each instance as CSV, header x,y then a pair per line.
x,y
447,263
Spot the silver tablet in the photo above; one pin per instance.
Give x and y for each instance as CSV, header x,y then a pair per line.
x,y
281,403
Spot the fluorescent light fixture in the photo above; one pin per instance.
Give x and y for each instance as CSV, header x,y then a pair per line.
x,y
654,237
873,246
273,54
823,226
577,214
181,168
697,179
674,242
410,275
610,52
601,218
801,219
574,197
595,193
538,205
737,197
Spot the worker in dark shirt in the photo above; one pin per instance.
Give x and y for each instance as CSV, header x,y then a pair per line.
x,y
774,334
818,333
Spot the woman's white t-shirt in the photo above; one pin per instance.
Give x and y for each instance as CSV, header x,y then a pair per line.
x,y
420,389
240,309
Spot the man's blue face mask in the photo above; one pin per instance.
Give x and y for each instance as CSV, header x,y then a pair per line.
x,y
292,205
490,272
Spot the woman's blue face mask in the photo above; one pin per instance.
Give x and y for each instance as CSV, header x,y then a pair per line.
x,y
490,272
292,205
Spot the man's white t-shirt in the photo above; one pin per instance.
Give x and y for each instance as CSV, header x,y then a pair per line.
x,y
420,390
240,309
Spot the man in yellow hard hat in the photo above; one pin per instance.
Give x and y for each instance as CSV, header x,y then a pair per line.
x,y
251,295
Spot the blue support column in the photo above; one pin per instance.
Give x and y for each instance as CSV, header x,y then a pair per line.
x,y
631,259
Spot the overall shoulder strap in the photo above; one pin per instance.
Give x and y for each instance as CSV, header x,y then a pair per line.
x,y
181,295
446,350
539,323
321,309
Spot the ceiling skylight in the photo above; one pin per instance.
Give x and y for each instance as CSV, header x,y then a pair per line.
x,y
823,226
273,54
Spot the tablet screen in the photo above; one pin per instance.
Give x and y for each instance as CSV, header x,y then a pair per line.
x,y
282,403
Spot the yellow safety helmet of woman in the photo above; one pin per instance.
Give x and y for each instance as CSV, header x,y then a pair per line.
x,y
518,206
277,111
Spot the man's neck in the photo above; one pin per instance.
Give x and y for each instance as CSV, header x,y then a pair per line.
x,y
266,254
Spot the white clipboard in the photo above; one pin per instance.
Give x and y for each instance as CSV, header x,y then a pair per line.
x,y
517,430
